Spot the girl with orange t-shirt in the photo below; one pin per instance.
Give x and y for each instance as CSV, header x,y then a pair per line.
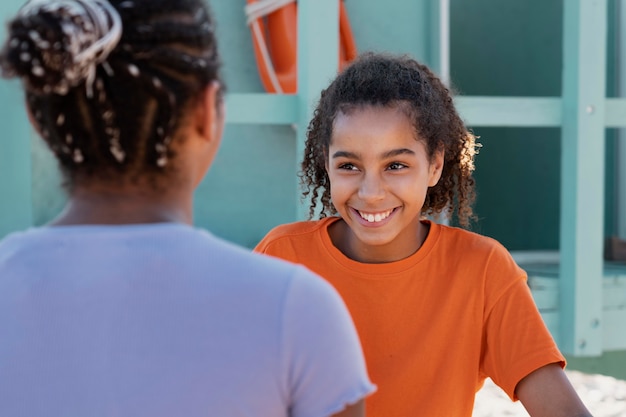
x,y
438,308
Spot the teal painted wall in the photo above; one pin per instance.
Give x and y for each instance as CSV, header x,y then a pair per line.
x,y
15,164
514,49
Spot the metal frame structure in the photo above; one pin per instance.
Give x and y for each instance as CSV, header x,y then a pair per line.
x,y
582,175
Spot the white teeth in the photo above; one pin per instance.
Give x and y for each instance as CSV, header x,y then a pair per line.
x,y
375,218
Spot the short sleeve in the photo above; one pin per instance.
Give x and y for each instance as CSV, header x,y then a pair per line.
x,y
517,341
322,358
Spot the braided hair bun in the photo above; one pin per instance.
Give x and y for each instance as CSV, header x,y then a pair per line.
x,y
55,45
108,83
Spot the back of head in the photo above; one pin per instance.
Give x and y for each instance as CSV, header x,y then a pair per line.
x,y
108,82
378,79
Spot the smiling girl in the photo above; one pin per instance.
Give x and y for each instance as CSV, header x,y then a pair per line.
x,y
438,308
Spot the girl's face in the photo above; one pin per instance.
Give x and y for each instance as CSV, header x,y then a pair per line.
x,y
379,175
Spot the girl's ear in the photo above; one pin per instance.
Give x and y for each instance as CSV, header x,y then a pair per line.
x,y
436,167
210,112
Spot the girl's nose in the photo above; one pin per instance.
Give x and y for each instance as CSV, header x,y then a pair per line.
x,y
371,188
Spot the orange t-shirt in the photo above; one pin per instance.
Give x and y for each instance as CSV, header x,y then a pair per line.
x,y
434,325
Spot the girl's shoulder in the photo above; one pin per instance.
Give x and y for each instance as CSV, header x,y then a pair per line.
x,y
296,236
466,236
454,240
473,251
299,229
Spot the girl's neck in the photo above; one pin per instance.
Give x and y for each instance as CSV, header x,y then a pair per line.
x,y
343,239
128,205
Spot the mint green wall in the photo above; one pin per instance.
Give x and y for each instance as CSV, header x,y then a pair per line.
x,y
246,191
515,49
15,175
401,26
512,48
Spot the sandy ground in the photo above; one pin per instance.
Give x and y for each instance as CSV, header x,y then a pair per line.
x,y
604,396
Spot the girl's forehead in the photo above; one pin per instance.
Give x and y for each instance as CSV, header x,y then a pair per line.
x,y
409,109
373,131
372,121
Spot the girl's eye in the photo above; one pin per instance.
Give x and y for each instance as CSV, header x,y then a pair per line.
x,y
347,166
396,165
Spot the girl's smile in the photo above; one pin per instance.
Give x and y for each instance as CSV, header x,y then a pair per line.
x,y
375,219
379,173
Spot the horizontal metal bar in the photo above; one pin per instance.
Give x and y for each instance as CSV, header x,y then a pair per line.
x,y
261,108
510,111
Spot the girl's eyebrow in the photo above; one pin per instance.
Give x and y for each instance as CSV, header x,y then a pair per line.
x,y
345,154
388,154
396,152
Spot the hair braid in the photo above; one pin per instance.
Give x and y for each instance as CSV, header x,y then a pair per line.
x,y
120,106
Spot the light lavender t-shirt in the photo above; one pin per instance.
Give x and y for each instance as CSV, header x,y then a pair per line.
x,y
167,320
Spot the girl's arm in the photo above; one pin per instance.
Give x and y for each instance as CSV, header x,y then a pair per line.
x,y
547,392
353,410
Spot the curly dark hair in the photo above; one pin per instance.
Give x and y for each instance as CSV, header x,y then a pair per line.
x,y
378,79
116,115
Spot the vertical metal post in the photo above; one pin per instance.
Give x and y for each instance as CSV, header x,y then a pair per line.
x,y
582,176
444,41
318,60
439,53
438,35
433,32
621,144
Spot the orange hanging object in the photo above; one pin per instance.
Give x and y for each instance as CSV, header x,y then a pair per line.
x,y
276,44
